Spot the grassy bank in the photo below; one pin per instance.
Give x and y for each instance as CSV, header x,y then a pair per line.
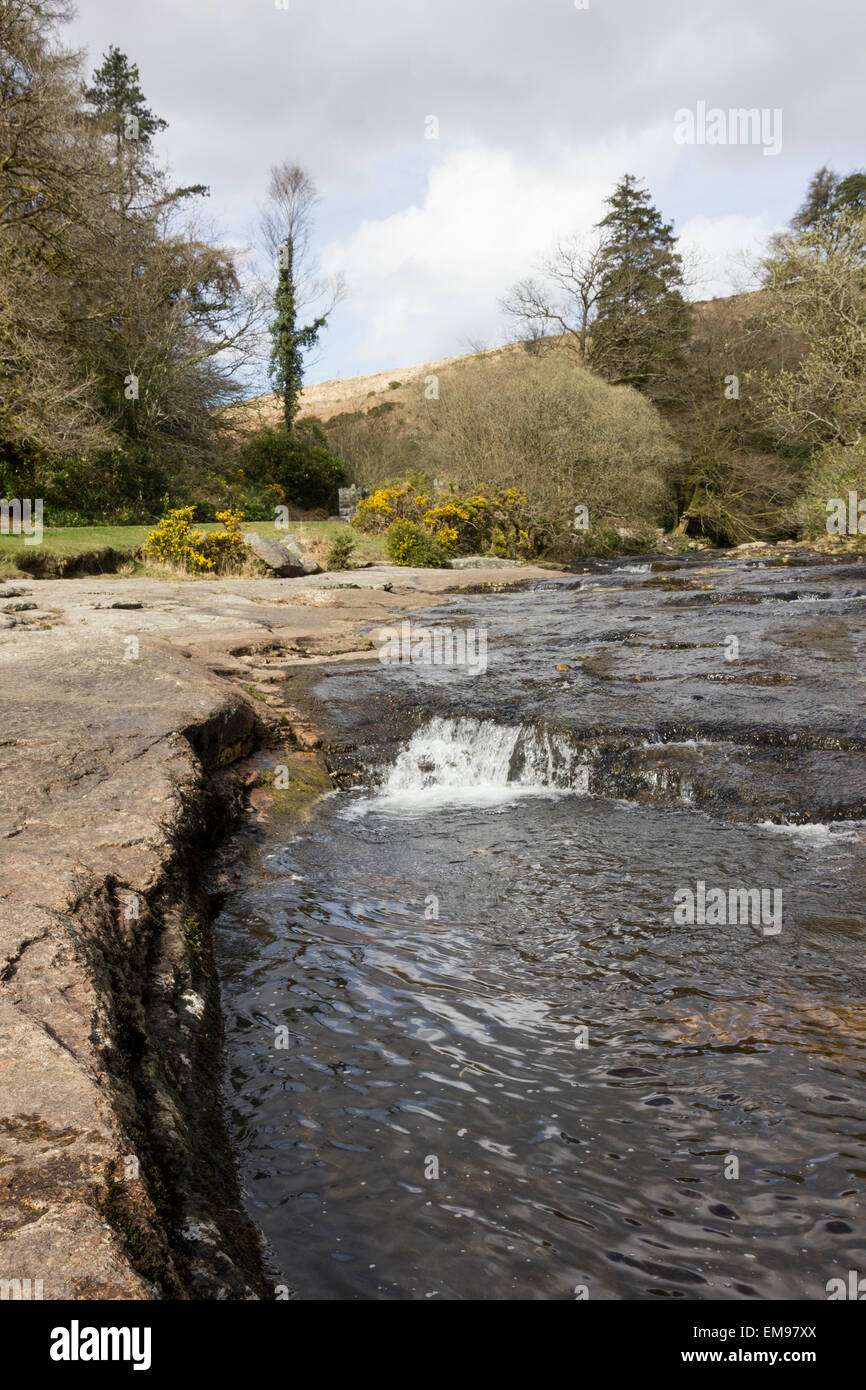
x,y
78,550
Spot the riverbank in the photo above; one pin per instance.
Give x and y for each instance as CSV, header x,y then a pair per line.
x,y
129,708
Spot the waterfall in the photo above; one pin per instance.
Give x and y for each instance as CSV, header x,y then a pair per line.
x,y
480,761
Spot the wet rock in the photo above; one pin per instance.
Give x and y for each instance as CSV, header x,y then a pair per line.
x,y
12,591
18,607
480,562
385,587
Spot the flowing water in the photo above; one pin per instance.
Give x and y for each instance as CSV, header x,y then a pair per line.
x,y
475,1051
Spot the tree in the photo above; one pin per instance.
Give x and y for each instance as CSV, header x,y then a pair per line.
x,y
168,324
120,111
563,302
287,225
51,179
851,192
118,100
642,320
828,198
818,203
122,327
815,283
300,464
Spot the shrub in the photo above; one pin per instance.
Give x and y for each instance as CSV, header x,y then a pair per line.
x,y
833,473
340,552
299,463
173,542
540,423
398,502
407,544
501,524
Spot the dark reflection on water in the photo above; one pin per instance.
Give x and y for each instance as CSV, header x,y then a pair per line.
x,y
414,1039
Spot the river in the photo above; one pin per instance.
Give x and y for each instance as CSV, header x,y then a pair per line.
x,y
562,997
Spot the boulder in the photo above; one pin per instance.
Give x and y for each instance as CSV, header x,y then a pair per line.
x,y
306,561
285,561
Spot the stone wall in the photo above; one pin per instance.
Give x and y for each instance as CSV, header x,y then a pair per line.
x,y
349,499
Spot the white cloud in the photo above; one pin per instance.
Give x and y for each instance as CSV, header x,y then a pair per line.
x,y
542,107
425,281
721,251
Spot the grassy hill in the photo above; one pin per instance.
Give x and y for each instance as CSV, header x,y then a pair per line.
x,y
327,399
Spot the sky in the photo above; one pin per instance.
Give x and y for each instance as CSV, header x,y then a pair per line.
x,y
455,141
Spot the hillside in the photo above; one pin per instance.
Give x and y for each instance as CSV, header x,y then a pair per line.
x,y
329,398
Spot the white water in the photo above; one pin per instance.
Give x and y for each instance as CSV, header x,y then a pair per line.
x,y
477,762
818,834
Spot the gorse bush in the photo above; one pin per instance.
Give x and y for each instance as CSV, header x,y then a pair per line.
x,y
175,543
406,543
500,524
400,501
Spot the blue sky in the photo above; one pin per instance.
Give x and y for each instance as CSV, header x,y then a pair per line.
x,y
541,106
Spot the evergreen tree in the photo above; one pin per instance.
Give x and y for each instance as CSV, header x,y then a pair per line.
x,y
831,206
819,200
829,199
851,192
119,106
288,341
642,319
116,95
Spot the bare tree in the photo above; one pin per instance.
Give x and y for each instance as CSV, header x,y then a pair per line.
x,y
562,302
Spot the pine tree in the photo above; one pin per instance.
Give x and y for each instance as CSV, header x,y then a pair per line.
x,y
851,192
819,200
829,199
116,97
831,207
642,320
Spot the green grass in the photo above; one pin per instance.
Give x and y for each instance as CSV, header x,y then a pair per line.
x,y
76,540
68,542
